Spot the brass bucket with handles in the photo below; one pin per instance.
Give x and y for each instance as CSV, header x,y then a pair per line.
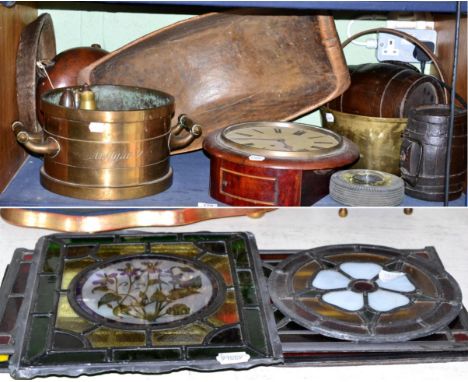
x,y
121,150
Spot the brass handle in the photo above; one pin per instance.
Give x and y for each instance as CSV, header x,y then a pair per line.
x,y
34,142
185,123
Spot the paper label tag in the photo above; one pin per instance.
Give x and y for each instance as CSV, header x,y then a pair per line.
x,y
389,276
98,127
329,117
256,158
207,205
231,358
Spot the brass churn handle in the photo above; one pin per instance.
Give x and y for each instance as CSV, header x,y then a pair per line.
x,y
185,123
35,142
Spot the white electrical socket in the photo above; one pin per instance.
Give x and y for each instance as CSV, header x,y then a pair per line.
x,y
391,47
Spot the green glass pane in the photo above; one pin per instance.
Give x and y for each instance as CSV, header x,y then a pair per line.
x,y
206,237
113,338
146,355
239,251
52,258
207,352
46,294
146,239
185,335
255,330
221,264
215,247
228,313
75,357
227,336
67,341
110,250
181,249
79,251
37,341
247,287
88,240
71,268
67,319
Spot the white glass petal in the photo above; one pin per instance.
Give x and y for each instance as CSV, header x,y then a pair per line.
x,y
361,270
383,301
330,279
399,283
345,299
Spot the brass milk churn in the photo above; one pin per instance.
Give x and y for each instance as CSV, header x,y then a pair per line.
x,y
119,150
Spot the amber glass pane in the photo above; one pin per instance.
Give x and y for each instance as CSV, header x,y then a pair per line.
x,y
107,338
221,264
52,258
81,251
227,313
110,250
184,249
193,334
303,276
72,268
411,313
424,283
67,319
328,311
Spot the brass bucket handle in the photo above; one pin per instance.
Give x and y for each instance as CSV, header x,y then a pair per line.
x,y
35,142
409,38
178,141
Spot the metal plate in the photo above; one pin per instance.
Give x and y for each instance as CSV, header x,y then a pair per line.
x,y
365,293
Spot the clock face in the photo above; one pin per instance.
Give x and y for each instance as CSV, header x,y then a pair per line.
x,y
281,137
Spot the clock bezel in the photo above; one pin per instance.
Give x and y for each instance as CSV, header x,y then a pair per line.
x,y
294,155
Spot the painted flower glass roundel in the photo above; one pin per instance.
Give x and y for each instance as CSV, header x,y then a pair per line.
x,y
146,290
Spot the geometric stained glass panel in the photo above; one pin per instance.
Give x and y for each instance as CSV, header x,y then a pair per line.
x,y
146,302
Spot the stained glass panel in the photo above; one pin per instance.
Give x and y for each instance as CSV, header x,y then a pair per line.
x,y
134,298
364,293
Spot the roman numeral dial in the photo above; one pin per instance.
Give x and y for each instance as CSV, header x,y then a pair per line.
x,y
288,138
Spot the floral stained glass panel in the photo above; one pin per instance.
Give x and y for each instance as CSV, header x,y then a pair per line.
x,y
111,300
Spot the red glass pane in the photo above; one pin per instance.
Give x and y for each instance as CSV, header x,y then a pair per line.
x,y
21,278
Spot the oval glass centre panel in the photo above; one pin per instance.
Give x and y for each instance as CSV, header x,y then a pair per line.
x,y
146,290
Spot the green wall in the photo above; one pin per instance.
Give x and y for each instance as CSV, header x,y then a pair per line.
x,y
118,25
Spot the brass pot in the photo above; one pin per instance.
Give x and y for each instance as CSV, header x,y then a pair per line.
x,y
379,139
121,150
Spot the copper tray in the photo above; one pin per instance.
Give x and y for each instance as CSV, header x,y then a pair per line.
x,y
235,66
108,220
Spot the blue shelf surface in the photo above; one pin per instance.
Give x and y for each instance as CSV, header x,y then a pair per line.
x,y
190,187
368,6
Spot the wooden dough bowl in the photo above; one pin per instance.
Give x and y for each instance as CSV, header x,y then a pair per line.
x,y
236,66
